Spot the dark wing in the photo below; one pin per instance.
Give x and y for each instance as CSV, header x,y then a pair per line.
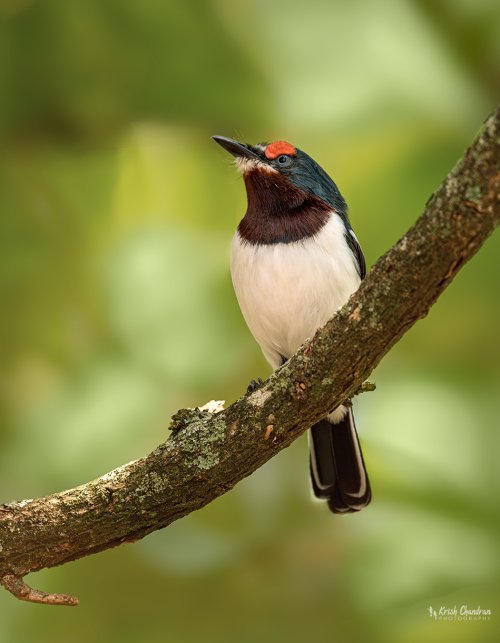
x,y
353,244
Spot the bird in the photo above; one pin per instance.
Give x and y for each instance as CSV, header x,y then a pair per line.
x,y
295,260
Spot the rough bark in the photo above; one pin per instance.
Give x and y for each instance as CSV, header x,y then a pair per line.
x,y
208,453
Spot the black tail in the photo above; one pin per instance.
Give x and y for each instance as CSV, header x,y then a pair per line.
x,y
338,471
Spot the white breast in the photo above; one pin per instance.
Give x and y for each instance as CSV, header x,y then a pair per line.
x,y
287,291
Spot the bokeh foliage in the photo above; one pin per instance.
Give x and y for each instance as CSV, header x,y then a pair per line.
x,y
117,308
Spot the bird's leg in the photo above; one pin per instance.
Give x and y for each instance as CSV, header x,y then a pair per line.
x,y
254,385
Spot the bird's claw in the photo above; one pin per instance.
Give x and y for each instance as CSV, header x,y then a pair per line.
x,y
254,385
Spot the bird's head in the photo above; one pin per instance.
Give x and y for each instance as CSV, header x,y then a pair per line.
x,y
282,178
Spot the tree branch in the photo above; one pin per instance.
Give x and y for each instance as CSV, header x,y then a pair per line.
x,y
208,453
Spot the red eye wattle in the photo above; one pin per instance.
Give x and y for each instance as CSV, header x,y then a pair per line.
x,y
273,150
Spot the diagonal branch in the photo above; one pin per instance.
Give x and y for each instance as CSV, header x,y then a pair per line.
x,y
209,453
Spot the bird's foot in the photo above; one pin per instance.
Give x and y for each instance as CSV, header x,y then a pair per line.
x,y
254,385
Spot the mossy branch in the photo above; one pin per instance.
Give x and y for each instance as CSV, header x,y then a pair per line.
x,y
208,453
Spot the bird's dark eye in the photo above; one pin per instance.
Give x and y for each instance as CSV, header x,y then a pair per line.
x,y
284,160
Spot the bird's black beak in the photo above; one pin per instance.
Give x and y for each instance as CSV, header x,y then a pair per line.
x,y
236,149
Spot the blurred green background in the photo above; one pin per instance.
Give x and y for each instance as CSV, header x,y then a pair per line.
x,y
116,214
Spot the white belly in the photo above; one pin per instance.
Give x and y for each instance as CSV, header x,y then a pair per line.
x,y
287,291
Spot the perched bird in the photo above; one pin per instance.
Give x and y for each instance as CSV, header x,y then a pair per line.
x,y
295,260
